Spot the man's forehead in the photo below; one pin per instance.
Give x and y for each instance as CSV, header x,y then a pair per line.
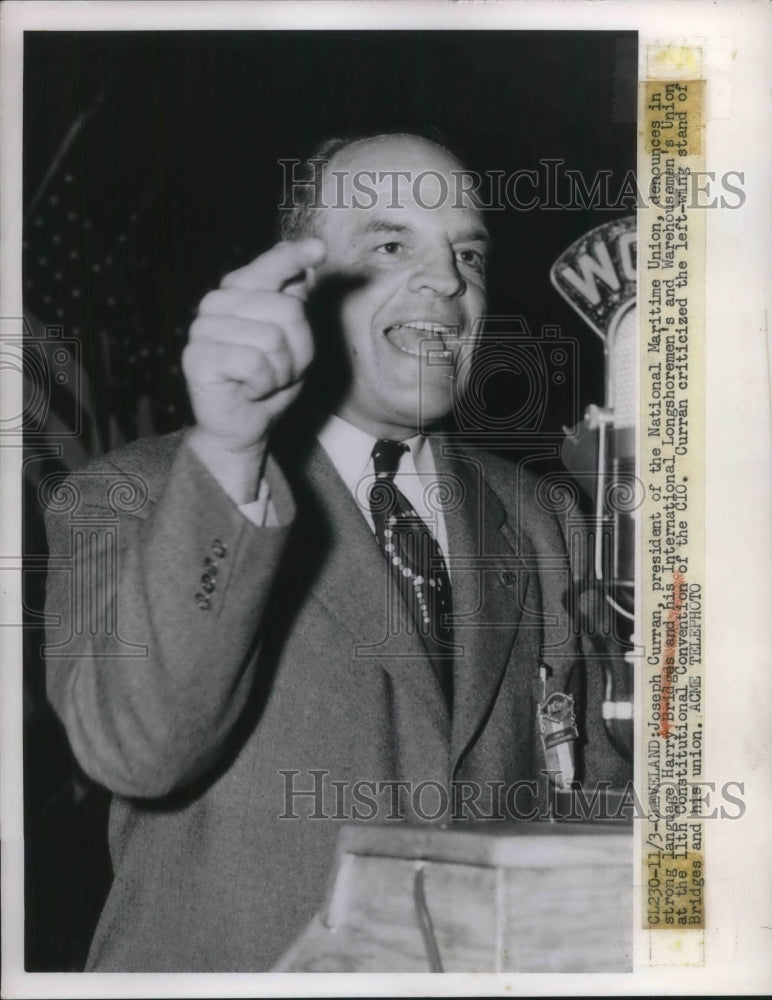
x,y
399,174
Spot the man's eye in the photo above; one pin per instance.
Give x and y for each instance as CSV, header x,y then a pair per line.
x,y
392,247
471,257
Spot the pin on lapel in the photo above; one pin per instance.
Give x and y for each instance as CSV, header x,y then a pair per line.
x,y
557,723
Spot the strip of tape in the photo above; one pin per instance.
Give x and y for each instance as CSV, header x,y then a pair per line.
x,y
671,264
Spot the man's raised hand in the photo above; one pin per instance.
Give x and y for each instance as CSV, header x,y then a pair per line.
x,y
248,350
251,344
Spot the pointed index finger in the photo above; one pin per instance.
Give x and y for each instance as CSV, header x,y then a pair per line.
x,y
283,264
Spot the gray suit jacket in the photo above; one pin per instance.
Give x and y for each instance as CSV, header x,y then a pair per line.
x,y
206,717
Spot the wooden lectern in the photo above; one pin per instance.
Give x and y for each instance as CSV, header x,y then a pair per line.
x,y
515,897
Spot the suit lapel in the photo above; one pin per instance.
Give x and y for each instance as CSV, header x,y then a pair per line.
x,y
489,582
353,585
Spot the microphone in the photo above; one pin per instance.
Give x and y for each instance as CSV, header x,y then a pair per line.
x,y
597,277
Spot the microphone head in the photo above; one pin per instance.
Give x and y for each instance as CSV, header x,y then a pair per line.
x,y
596,274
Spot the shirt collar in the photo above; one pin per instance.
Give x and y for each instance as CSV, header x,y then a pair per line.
x,y
350,451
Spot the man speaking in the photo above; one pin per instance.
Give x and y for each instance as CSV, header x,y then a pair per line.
x,y
331,608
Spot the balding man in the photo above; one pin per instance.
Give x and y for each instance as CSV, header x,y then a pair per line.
x,y
322,635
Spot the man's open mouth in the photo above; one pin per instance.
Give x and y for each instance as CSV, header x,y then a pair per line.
x,y
408,337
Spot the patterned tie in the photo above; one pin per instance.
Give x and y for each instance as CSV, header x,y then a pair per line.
x,y
416,561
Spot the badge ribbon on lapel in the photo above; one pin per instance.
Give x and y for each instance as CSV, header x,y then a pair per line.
x,y
557,722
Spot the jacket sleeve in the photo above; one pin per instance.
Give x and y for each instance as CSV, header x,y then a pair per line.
x,y
153,609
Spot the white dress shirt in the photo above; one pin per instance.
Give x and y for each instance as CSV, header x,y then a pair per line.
x,y
350,451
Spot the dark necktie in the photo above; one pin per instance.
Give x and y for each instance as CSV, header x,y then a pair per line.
x,y
417,566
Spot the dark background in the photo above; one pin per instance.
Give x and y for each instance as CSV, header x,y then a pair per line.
x,y
172,179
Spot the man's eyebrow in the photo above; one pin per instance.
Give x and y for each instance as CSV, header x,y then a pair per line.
x,y
384,226
476,234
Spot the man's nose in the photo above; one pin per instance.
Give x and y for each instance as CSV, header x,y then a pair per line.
x,y
438,273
